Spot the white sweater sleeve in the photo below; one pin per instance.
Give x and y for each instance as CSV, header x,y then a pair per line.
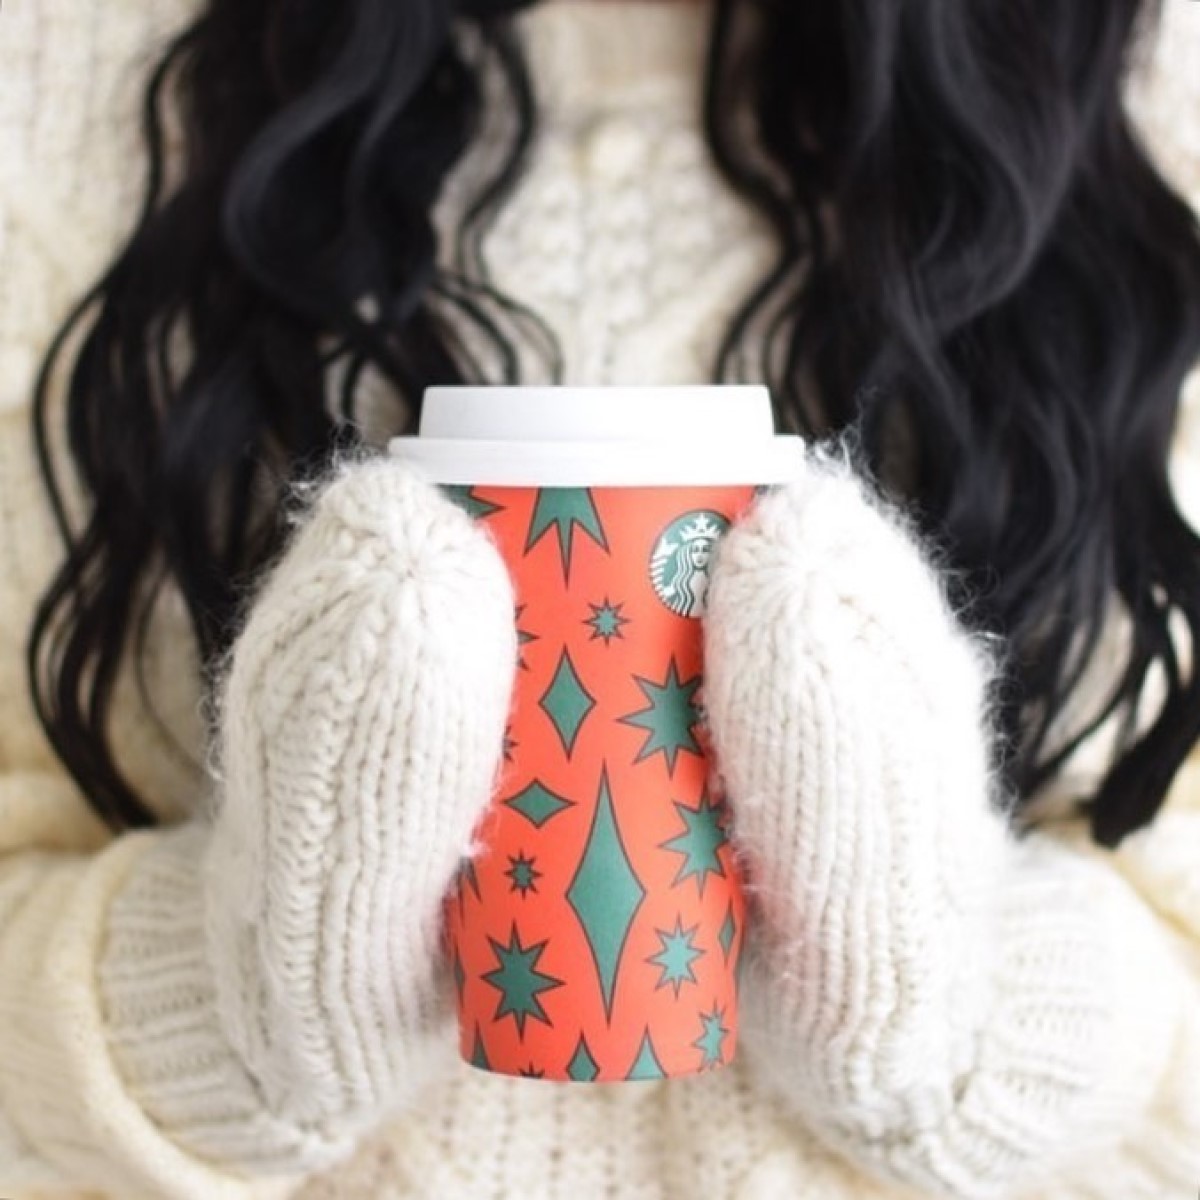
x,y
950,1007
68,1116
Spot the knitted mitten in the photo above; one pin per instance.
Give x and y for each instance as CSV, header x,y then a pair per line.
x,y
274,978
946,1005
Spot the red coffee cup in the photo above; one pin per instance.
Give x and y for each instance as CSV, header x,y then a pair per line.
x,y
596,936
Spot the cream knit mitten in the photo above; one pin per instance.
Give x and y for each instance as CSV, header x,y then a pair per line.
x,y
947,1006
274,977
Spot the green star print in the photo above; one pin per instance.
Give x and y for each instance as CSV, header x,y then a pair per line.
x,y
676,956
670,718
523,873
564,508
518,982
606,621
711,1041
699,843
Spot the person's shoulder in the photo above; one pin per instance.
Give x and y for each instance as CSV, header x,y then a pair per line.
x,y
1162,862
30,549
1163,101
1162,94
29,543
39,805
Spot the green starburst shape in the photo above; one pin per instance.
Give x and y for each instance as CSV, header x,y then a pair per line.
x,y
524,637
712,1041
670,718
703,835
564,510
676,956
464,496
606,620
518,981
523,873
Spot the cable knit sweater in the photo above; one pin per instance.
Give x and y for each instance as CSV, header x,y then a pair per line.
x,y
111,1082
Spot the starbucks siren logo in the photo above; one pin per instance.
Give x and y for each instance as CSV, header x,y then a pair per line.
x,y
680,562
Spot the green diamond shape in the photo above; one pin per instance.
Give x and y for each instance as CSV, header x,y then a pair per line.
x,y
728,929
646,1065
537,803
479,1056
467,875
582,1065
605,893
567,702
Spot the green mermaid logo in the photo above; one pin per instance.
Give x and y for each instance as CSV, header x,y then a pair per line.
x,y
680,562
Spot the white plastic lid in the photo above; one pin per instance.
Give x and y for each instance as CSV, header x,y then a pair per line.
x,y
677,463
598,414
600,437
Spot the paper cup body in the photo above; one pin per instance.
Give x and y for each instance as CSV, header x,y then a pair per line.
x,y
596,936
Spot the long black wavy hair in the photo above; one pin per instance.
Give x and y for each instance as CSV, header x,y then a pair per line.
x,y
977,262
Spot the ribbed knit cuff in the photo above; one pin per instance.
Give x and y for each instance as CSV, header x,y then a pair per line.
x,y
59,1083
164,1028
